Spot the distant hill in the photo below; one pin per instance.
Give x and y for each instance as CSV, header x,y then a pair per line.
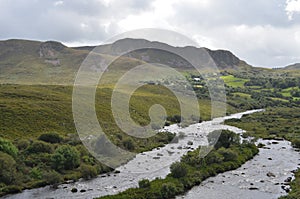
x,y
223,59
51,62
293,67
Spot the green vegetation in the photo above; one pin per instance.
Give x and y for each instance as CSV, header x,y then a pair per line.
x,y
38,140
65,157
36,122
37,163
192,170
232,81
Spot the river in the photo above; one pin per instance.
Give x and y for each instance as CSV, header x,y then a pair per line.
x,y
266,176
155,163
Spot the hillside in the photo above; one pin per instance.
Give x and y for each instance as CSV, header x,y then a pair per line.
x,y
26,62
35,62
149,52
293,67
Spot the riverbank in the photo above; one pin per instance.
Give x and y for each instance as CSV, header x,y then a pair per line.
x,y
192,169
148,165
266,176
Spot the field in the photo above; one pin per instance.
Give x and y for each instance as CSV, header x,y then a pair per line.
x,y
232,81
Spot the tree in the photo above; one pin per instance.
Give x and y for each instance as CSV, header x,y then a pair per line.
x,y
178,170
65,157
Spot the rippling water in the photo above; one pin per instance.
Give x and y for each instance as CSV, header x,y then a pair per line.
x,y
263,177
156,163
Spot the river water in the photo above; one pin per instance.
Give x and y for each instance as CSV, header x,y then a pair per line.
x,y
263,177
155,163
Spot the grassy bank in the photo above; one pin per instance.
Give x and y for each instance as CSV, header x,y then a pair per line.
x,y
31,112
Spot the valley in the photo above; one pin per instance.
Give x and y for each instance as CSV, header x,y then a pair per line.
x,y
37,131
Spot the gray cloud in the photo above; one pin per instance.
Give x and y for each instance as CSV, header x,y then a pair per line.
x,y
261,32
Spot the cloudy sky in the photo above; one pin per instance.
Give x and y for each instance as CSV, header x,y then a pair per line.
x,y
262,32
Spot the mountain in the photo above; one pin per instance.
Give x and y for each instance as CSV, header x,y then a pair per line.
x,y
25,62
51,62
149,53
293,67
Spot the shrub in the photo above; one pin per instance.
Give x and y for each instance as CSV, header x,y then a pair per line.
x,y
7,168
7,147
12,189
178,170
224,138
168,190
88,171
39,147
22,144
88,160
65,157
50,137
35,173
214,157
128,144
228,154
52,177
145,183
296,143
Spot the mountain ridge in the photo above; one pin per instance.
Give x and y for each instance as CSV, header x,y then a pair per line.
x,y
51,62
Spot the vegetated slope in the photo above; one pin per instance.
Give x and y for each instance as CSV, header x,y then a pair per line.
x,y
157,52
35,62
292,67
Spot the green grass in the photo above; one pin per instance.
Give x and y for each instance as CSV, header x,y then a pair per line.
x,y
28,111
245,95
278,99
232,81
274,122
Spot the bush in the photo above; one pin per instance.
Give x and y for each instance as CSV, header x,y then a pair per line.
x,y
88,171
214,157
178,170
7,147
52,177
228,154
50,137
128,144
168,190
65,157
35,173
22,144
224,138
39,147
145,183
12,189
7,168
296,143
